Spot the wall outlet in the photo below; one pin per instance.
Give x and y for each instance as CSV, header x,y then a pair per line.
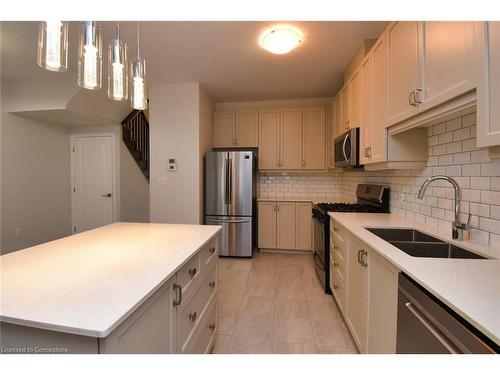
x,y
19,232
172,165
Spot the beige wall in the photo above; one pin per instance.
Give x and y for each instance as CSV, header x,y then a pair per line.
x,y
174,133
35,179
206,110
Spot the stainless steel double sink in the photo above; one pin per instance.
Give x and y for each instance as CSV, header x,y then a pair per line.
x,y
418,244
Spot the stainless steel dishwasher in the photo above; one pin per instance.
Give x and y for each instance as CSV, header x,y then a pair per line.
x,y
427,326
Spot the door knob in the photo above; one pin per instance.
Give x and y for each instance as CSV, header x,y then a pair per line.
x,y
109,195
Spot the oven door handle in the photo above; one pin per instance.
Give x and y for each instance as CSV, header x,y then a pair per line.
x,y
430,327
343,147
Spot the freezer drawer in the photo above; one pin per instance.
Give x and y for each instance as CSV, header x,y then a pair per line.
x,y
236,238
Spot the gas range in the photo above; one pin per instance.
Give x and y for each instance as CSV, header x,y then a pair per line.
x,y
370,199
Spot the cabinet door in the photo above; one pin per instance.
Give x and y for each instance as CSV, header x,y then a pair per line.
x,y
148,330
488,93
291,138
346,108
267,225
331,136
378,151
367,109
314,138
223,132
355,99
337,113
357,291
448,60
303,232
247,129
383,309
269,135
285,234
403,69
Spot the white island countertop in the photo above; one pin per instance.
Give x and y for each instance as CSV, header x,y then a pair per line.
x,y
471,287
88,283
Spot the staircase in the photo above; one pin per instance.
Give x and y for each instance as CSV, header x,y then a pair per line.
x,y
135,135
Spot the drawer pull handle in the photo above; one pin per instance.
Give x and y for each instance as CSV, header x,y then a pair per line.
x,y
212,284
335,264
335,247
192,316
335,287
212,250
212,327
192,271
335,229
178,290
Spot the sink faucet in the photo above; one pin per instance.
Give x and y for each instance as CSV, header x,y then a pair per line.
x,y
458,227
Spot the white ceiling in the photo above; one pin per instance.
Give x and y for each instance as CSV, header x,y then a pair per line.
x,y
223,56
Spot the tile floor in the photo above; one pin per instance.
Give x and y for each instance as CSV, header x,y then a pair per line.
x,y
273,303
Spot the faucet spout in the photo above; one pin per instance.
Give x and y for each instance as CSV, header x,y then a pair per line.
x,y
458,226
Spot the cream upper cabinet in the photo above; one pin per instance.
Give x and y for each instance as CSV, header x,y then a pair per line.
x,y
488,108
402,38
355,100
246,127
366,130
223,129
314,136
448,61
267,225
303,221
337,115
291,138
285,223
346,108
331,136
357,291
269,139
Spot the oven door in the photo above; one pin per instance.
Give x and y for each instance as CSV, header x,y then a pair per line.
x,y
345,149
319,242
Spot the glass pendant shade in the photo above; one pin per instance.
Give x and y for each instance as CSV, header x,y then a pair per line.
x,y
53,45
138,92
90,57
117,70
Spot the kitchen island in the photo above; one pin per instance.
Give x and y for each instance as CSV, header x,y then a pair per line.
x,y
122,288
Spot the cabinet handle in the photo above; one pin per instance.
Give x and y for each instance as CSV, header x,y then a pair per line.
x,y
212,327
335,265
410,101
303,163
192,316
178,290
212,284
192,271
335,287
418,95
361,255
212,250
335,247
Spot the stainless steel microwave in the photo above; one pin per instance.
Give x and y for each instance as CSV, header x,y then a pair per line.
x,y
346,149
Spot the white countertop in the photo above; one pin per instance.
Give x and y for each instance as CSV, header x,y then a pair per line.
x,y
88,283
282,199
471,287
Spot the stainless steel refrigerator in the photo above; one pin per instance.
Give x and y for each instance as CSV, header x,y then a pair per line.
x,y
230,183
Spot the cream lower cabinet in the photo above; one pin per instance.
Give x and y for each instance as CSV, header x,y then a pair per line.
x,y
365,286
285,225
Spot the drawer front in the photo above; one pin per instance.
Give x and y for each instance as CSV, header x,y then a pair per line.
x,y
209,254
338,263
191,312
338,287
205,335
189,273
335,246
338,232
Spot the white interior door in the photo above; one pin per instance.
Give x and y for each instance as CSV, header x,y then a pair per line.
x,y
93,193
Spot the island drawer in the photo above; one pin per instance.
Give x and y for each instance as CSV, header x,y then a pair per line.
x,y
336,247
338,262
202,341
191,312
337,232
189,273
337,286
209,254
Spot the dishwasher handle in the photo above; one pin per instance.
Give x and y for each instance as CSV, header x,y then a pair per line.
x,y
431,328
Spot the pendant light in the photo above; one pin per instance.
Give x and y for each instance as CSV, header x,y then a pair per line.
x,y
53,45
117,68
138,98
90,56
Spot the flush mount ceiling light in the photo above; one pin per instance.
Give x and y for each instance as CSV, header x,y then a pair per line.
x,y
280,39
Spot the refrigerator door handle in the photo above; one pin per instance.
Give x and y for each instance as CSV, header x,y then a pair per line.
x,y
230,221
229,182
226,188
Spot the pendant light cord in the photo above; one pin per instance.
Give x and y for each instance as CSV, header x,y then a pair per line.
x,y
138,41
118,30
